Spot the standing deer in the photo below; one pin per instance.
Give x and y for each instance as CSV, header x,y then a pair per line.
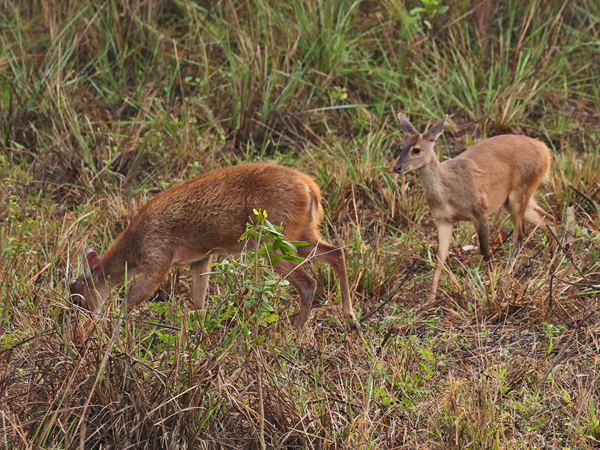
x,y
194,220
502,170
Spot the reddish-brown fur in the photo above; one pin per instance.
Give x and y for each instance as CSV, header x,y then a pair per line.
x,y
194,220
501,171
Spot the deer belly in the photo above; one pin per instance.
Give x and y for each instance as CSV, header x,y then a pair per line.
x,y
183,256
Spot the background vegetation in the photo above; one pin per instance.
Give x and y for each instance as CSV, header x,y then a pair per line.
x,y
103,104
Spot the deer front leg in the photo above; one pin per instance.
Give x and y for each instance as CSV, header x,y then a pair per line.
x,y
444,237
144,284
200,281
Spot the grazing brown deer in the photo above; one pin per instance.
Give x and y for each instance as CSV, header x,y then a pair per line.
x,y
194,220
502,170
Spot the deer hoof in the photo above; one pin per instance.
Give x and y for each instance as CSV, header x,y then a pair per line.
x,y
355,326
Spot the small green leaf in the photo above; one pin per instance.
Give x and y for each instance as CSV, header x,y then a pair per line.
x,y
270,318
293,258
298,243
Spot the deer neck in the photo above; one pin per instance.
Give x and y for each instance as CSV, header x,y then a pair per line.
x,y
115,264
432,178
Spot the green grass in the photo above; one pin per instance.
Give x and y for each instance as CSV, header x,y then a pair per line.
x,y
105,104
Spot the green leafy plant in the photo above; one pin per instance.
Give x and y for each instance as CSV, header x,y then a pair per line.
x,y
262,286
429,10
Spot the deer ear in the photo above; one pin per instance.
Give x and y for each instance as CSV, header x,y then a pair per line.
x,y
92,264
407,127
434,132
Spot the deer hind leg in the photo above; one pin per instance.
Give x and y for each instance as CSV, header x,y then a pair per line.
x,y
542,219
516,206
200,281
444,237
483,232
304,284
319,250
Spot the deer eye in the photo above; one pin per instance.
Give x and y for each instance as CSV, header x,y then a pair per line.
x,y
416,151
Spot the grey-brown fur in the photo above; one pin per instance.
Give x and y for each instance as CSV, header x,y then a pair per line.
x,y
501,171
